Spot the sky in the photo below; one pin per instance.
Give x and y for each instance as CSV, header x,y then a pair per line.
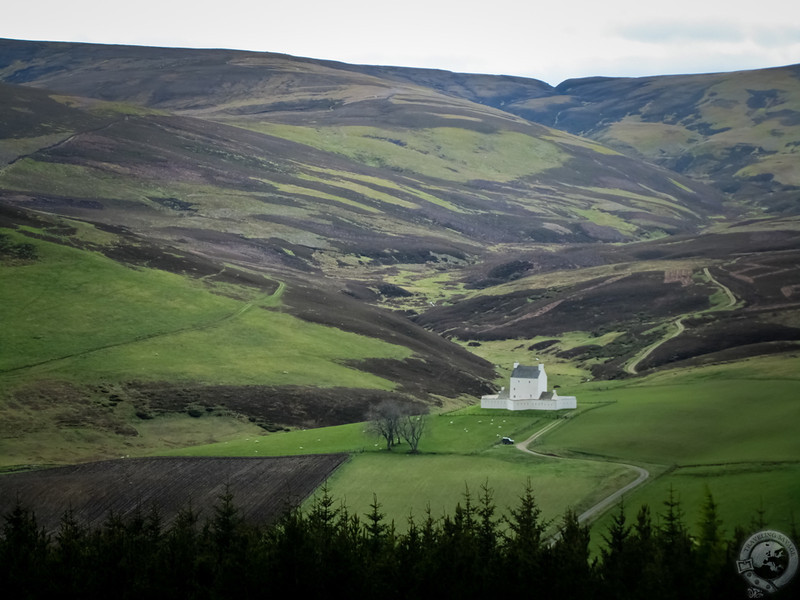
x,y
552,41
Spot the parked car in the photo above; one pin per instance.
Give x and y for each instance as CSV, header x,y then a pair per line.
x,y
507,440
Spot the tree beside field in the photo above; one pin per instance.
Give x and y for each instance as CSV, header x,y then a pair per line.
x,y
411,429
395,421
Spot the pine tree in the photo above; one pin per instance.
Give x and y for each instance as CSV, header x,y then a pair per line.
x,y
23,554
180,557
227,543
573,573
69,559
617,562
711,553
643,562
524,550
676,557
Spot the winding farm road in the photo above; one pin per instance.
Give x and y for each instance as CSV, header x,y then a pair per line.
x,y
642,474
731,298
680,328
606,502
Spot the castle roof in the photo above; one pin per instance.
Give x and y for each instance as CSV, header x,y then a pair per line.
x,y
523,372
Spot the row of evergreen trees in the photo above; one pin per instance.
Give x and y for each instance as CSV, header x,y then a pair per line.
x,y
472,553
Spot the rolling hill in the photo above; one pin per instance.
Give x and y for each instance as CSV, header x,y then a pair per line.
x,y
268,241
736,131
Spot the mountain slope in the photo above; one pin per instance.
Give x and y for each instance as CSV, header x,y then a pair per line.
x,y
409,151
112,343
737,131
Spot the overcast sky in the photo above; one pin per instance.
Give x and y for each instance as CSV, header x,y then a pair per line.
x,y
552,40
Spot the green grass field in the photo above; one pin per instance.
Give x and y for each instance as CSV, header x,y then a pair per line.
x,y
708,422
410,484
74,320
79,316
730,429
459,452
742,492
712,429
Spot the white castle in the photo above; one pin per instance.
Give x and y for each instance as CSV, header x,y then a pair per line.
x,y
527,390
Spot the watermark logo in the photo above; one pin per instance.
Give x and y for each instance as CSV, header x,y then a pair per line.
x,y
768,561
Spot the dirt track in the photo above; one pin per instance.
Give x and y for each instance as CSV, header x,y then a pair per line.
x,y
680,328
610,500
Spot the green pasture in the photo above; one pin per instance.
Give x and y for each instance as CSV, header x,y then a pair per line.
x,y
465,431
749,495
688,425
731,429
713,428
704,422
410,484
326,440
460,450
79,316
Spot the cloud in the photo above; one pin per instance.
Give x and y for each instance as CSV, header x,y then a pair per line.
x,y
669,32
709,32
771,37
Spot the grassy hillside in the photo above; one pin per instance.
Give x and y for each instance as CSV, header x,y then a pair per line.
x,y
727,429
97,353
737,131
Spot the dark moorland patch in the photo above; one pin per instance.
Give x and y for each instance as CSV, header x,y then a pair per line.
x,y
744,332
590,306
271,407
330,306
421,378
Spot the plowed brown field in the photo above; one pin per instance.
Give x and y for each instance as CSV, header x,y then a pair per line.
x,y
262,488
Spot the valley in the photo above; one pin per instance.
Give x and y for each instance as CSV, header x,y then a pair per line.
x,y
224,249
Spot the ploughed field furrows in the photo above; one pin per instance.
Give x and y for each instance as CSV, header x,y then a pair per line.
x,y
262,488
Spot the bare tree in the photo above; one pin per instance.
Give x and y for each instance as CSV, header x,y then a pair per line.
x,y
394,421
384,419
411,428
